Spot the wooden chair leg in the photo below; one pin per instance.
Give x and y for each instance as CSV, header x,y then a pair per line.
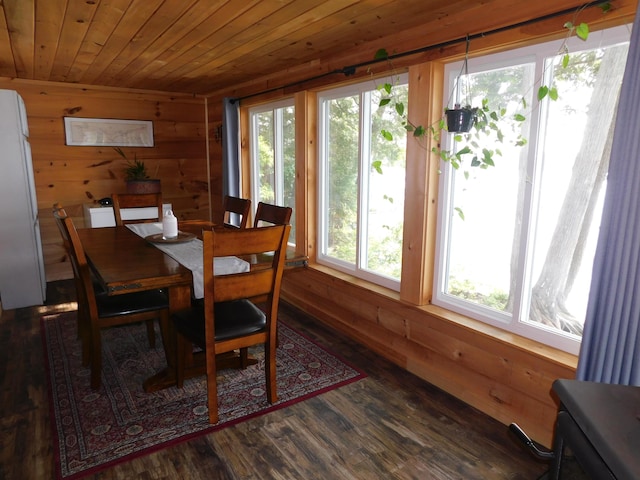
x,y
182,344
244,357
85,340
270,371
151,333
212,390
96,358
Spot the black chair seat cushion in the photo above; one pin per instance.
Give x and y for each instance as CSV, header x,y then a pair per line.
x,y
137,302
233,319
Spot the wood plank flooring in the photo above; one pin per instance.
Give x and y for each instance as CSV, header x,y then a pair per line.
x,y
389,425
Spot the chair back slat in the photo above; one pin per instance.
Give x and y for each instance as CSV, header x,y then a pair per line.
x,y
268,214
236,206
142,200
263,278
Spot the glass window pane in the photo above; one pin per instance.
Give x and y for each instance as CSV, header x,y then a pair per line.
x,y
273,149
342,177
385,197
289,165
266,155
486,204
574,160
522,256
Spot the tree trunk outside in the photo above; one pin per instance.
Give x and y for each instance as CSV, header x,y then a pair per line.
x,y
567,242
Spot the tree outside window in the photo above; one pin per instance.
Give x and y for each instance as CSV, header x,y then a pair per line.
x,y
273,148
362,177
522,257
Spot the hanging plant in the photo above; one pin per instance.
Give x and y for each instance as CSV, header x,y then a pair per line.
x,y
469,124
460,119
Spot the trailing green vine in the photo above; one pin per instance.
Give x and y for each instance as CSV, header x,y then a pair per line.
x,y
487,118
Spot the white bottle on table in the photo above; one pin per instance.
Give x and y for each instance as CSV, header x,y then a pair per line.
x,y
169,226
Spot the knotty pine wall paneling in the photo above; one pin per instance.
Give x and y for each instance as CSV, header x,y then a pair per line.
x,y
76,175
504,376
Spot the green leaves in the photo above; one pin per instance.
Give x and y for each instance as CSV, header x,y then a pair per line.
x,y
381,54
582,30
377,166
543,91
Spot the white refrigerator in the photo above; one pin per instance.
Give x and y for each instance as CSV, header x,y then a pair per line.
x,y
22,276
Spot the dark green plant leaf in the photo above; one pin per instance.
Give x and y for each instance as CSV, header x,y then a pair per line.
x,y
419,131
384,101
487,158
542,92
387,135
400,108
518,117
466,150
381,54
605,7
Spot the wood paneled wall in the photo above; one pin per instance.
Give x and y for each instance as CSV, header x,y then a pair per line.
x,y
74,175
505,376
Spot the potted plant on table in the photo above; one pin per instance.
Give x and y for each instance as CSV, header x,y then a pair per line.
x,y
137,176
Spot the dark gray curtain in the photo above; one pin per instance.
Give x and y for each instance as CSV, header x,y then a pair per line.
x,y
231,147
610,351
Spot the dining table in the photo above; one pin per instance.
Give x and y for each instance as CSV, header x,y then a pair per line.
x,y
124,261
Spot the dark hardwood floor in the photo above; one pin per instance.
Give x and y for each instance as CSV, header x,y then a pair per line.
x,y
389,425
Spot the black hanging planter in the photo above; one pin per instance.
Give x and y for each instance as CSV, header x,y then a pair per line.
x,y
460,120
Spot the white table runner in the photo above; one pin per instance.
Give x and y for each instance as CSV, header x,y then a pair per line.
x,y
189,254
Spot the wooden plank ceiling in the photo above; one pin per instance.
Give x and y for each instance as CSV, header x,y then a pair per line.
x,y
204,46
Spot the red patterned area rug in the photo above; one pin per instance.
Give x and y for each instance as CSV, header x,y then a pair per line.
x,y
97,429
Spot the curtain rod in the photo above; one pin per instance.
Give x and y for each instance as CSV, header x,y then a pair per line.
x,y
351,69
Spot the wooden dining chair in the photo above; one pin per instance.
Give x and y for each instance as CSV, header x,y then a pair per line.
x,y
59,213
130,200
234,207
228,320
101,310
268,214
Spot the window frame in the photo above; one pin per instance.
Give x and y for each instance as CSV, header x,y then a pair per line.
x,y
365,134
509,322
254,158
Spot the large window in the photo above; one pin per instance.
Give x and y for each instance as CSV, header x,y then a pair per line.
x,y
361,184
521,253
273,155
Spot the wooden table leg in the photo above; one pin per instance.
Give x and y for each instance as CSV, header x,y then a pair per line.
x,y
179,298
